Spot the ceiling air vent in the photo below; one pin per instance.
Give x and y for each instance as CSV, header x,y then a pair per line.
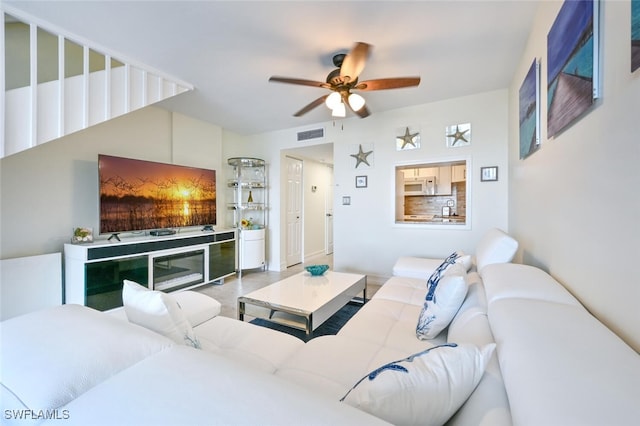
x,y
310,134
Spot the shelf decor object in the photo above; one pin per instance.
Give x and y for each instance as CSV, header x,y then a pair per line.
x,y
529,115
82,235
408,140
458,135
317,270
572,64
247,183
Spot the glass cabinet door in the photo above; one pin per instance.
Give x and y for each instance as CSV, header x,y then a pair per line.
x,y
104,280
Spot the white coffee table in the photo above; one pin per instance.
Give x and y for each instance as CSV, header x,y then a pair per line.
x,y
303,301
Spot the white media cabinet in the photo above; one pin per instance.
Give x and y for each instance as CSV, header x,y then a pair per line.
x,y
94,272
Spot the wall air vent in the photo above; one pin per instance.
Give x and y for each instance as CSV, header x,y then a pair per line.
x,y
310,134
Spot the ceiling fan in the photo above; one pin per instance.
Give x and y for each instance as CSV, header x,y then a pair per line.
x,y
344,79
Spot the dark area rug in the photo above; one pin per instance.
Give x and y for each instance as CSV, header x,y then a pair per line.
x,y
329,327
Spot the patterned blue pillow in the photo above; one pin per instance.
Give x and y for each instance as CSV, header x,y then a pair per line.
x,y
442,302
395,365
434,279
426,388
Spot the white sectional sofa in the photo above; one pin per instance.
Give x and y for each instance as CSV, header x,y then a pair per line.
x,y
553,362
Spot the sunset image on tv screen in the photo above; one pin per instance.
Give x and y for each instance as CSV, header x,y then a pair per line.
x,y
140,195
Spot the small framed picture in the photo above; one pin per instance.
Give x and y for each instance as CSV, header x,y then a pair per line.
x,y
361,181
488,174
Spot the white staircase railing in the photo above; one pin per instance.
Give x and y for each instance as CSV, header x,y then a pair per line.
x,y
41,112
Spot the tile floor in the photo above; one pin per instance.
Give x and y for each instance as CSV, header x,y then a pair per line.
x,y
227,294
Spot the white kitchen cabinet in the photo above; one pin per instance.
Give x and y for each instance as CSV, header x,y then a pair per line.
x,y
420,172
443,182
458,173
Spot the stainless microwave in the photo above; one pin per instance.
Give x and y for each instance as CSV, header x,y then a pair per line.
x,y
420,186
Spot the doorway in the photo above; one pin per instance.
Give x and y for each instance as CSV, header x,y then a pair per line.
x,y
312,234
294,211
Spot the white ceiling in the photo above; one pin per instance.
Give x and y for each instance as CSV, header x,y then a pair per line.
x,y
229,49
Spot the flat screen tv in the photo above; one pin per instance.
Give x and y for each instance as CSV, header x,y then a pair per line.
x,y
139,195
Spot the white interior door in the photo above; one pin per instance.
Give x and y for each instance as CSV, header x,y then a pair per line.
x,y
328,227
294,211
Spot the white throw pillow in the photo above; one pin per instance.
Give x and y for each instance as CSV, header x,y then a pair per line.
x,y
442,302
159,312
426,388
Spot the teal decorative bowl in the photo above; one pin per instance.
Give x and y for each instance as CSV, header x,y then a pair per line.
x,y
317,269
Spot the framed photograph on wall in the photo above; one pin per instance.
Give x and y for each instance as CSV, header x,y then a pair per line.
x,y
635,35
489,174
572,63
361,181
529,111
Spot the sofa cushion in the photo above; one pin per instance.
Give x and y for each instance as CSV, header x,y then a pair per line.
x,y
511,280
495,247
403,289
425,388
187,387
258,347
388,323
565,361
442,302
52,356
158,312
332,364
420,267
488,405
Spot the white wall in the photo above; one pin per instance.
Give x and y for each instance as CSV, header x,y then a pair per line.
x,y
48,190
574,204
366,238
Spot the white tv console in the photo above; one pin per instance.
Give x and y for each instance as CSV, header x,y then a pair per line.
x,y
94,272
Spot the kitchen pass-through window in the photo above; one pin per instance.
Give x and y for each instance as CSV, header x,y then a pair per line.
x,y
432,193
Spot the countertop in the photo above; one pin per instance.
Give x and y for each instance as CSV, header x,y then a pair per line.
x,y
461,220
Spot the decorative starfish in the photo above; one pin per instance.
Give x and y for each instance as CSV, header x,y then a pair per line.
x,y
458,136
361,156
408,138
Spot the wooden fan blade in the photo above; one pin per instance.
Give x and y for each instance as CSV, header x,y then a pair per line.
x,y
388,83
311,106
300,82
354,62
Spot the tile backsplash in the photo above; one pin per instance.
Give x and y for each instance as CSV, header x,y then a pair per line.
x,y
432,205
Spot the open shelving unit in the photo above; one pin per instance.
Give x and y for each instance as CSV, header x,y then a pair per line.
x,y
248,185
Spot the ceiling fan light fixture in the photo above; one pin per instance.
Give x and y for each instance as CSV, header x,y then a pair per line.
x,y
333,100
356,101
339,111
